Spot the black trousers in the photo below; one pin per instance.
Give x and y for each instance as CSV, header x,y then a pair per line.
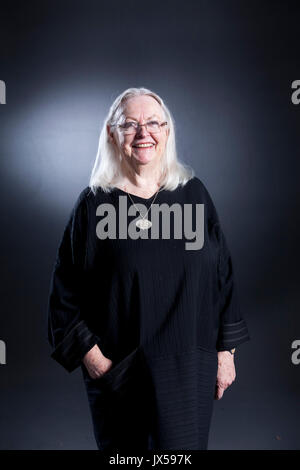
x,y
139,407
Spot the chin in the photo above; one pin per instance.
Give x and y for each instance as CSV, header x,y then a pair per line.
x,y
144,158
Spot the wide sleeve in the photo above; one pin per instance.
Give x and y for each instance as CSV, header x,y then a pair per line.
x,y
68,333
233,329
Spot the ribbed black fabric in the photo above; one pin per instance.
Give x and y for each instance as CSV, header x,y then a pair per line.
x,y
232,334
174,306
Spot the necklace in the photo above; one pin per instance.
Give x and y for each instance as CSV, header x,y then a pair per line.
x,y
142,223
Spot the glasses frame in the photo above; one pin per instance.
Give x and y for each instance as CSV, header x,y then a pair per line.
x,y
138,125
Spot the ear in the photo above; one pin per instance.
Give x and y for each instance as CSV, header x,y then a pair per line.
x,y
110,133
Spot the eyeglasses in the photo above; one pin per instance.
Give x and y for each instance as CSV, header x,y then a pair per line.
x,y
131,127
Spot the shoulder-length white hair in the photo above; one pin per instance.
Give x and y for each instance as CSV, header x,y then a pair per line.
x,y
106,172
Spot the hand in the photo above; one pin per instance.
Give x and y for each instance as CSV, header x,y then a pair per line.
x,y
226,373
96,363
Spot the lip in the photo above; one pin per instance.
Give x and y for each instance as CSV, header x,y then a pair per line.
x,y
140,143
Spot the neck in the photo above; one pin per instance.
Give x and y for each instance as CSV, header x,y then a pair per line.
x,y
143,177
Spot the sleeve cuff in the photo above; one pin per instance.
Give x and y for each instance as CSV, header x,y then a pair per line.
x,y
232,334
70,352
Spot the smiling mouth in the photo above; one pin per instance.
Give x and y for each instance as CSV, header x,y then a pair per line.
x,y
143,146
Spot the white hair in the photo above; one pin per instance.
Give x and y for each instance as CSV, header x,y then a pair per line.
x,y
106,171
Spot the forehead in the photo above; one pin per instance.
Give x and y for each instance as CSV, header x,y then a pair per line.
x,y
142,107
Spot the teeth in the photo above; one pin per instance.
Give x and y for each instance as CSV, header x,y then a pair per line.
x,y
144,145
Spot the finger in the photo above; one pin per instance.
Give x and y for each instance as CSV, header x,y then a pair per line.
x,y
220,391
223,384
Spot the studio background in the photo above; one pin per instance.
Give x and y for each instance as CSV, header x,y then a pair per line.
x,y
225,70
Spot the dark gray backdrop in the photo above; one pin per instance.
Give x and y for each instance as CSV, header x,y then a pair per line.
x,y
225,70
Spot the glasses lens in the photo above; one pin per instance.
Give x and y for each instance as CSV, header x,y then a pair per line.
x,y
128,128
153,126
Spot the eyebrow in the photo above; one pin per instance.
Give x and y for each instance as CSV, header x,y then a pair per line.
x,y
153,115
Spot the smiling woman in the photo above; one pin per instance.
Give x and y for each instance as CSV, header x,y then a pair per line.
x,y
122,158
142,142
150,322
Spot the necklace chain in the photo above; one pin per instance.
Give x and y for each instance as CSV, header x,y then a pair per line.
x,y
143,217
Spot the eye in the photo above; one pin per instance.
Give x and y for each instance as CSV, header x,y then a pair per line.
x,y
153,123
129,125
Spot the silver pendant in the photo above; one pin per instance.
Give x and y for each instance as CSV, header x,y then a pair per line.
x,y
143,224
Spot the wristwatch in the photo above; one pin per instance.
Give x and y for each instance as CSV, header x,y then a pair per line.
x,y
232,351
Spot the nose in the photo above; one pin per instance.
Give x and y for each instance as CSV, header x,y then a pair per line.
x,y
141,131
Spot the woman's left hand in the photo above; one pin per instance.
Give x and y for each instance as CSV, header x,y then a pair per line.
x,y
226,373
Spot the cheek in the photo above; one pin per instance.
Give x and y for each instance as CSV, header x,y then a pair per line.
x,y
126,148
123,144
127,142
162,143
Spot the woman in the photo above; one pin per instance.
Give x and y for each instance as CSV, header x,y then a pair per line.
x,y
151,319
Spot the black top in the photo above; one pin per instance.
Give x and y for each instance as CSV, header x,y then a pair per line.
x,y
123,293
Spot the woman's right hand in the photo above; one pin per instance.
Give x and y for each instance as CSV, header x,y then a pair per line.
x,y
96,363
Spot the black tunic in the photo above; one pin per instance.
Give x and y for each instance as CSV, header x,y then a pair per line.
x,y
159,311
